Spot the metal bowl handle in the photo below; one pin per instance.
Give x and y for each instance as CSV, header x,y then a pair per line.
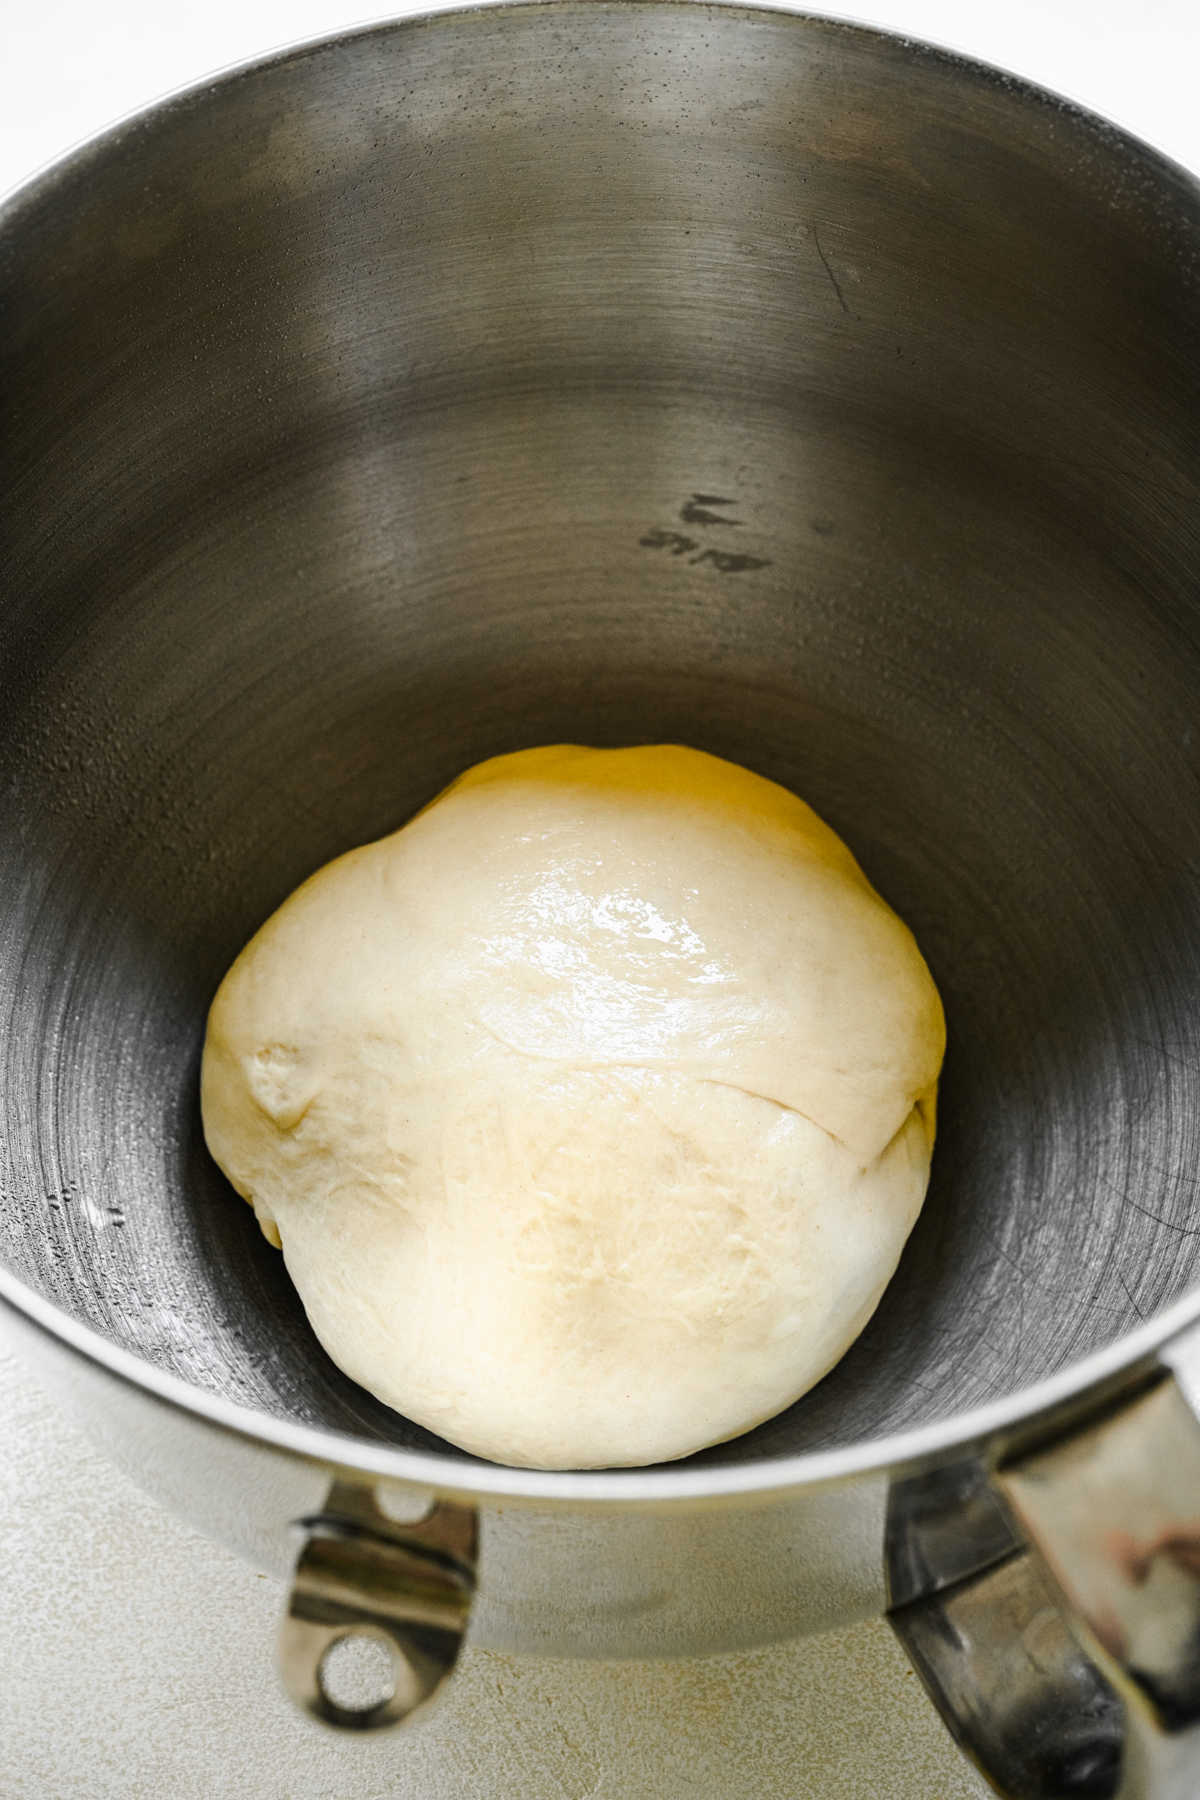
x,y
1069,1668
362,1575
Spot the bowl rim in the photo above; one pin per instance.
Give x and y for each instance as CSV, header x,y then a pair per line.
x,y
986,1430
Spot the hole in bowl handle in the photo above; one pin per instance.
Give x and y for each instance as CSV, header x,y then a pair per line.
x,y
1069,1668
361,1574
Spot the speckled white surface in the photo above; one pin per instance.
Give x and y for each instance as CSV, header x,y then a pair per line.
x,y
135,1664
135,1658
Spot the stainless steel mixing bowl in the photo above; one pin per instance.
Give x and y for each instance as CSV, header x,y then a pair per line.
x,y
619,371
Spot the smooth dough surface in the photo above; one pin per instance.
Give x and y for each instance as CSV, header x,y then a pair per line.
x,y
592,1109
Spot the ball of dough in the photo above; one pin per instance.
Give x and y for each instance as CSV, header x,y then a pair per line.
x,y
592,1109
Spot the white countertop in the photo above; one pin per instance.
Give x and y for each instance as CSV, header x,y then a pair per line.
x,y
135,1664
135,1658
